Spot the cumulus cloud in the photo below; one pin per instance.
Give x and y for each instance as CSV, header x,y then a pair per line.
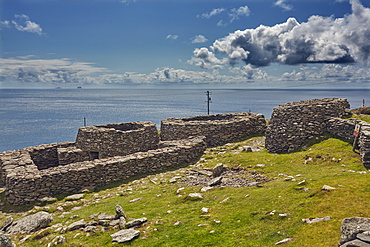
x,y
30,70
283,5
319,40
199,39
172,36
24,24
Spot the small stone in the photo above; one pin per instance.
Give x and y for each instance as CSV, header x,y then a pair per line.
x,y
284,241
215,181
195,196
136,222
119,212
207,188
122,223
179,190
174,179
260,165
135,200
104,216
125,235
77,225
74,197
224,200
176,223
327,188
205,210
218,170
314,220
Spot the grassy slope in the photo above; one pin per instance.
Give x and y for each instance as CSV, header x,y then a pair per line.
x,y
241,220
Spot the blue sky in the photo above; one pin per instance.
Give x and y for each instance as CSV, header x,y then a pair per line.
x,y
194,43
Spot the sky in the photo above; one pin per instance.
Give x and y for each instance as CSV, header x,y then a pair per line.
x,y
185,43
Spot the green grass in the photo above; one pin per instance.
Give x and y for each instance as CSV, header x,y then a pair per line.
x,y
242,220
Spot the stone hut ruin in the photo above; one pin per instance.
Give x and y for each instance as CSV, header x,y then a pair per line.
x,y
293,124
106,153
218,129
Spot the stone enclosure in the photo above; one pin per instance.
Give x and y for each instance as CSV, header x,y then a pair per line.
x,y
106,153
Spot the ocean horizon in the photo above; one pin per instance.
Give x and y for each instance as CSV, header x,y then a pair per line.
x,y
30,117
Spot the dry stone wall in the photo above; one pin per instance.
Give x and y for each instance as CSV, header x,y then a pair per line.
x,y
26,183
218,129
292,124
117,139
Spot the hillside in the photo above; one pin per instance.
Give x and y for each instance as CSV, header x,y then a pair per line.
x,y
289,189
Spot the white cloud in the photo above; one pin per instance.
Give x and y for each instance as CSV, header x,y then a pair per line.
x,y
233,14
236,13
199,39
172,36
22,23
30,70
283,5
319,40
212,13
127,1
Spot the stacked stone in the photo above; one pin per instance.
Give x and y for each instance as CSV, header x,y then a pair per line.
x,y
218,129
26,183
118,139
364,144
355,232
292,124
342,127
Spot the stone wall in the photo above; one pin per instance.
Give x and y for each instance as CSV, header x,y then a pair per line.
x,y
364,144
218,129
292,124
26,183
109,140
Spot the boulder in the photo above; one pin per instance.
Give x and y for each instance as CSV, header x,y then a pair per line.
x,y
5,241
125,235
30,223
218,170
351,227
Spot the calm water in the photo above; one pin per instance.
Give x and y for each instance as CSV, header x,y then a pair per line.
x,y
33,117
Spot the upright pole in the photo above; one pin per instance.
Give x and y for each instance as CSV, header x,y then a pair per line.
x,y
84,122
208,100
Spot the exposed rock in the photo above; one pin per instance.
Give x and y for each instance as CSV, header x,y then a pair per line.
x,y
218,170
119,212
104,216
215,181
365,236
6,224
77,225
135,200
195,196
327,187
207,188
122,223
351,227
125,235
174,179
284,241
48,199
30,223
314,220
5,241
74,197
136,222
355,243
205,210
57,240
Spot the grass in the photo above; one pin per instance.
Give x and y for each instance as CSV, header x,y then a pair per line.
x,y
244,219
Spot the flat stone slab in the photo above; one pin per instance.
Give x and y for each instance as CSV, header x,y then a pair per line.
x,y
125,235
30,223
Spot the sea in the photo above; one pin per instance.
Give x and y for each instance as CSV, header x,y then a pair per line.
x,y
30,117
